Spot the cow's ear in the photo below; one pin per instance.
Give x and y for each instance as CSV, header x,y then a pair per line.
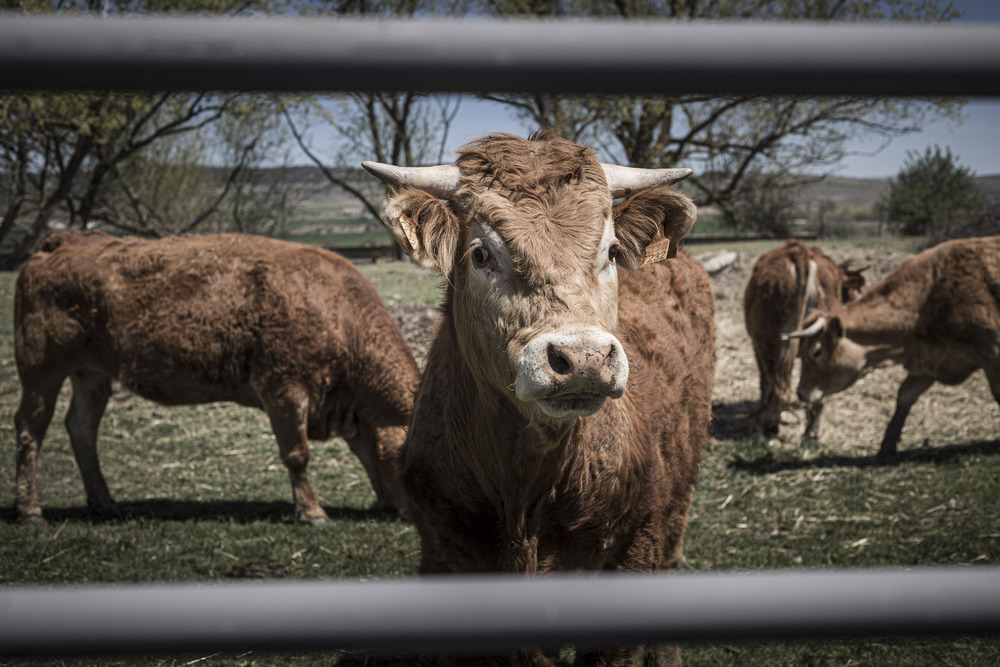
x,y
648,218
425,227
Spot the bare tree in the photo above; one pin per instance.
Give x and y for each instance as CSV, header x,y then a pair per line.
x,y
64,149
175,190
730,138
79,140
397,128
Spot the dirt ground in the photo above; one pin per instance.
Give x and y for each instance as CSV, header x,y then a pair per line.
x,y
853,421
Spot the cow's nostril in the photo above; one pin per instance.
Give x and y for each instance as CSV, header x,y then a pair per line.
x,y
558,361
608,352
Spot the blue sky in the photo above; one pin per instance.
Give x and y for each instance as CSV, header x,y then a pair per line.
x,y
975,141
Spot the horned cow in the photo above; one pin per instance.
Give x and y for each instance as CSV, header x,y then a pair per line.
x,y
515,460
297,331
785,284
937,314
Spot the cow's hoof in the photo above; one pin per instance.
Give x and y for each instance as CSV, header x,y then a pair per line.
x,y
318,521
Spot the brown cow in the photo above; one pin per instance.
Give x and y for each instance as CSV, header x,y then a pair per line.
x,y
295,330
938,314
785,284
515,461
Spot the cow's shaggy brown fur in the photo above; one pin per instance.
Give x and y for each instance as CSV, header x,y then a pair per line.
x,y
495,485
937,314
297,331
785,284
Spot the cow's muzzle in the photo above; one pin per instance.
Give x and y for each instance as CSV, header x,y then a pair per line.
x,y
810,394
571,373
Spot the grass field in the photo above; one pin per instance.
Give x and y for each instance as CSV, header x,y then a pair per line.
x,y
207,499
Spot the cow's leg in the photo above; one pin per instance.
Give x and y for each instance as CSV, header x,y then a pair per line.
x,y
288,413
911,389
813,412
775,362
378,450
91,391
769,414
39,392
993,377
769,410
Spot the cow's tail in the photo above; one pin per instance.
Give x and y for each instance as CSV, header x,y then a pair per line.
x,y
803,270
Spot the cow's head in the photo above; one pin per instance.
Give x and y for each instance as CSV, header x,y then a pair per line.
x,y
852,281
530,243
831,362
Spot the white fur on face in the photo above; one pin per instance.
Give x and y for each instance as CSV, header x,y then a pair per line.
x,y
566,359
571,371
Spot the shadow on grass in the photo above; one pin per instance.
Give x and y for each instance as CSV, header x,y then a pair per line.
x,y
944,455
732,421
243,512
362,660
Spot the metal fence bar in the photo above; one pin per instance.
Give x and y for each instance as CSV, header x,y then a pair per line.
x,y
57,52
493,613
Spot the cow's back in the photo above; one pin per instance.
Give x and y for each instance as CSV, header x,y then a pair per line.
x,y
968,290
954,291
185,320
778,293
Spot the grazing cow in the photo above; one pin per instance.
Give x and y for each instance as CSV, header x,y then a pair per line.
x,y
938,314
295,330
515,461
785,284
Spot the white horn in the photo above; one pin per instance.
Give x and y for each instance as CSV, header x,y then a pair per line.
x,y
811,330
623,181
441,181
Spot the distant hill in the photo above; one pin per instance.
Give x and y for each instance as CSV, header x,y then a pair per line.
x,y
990,186
858,192
864,192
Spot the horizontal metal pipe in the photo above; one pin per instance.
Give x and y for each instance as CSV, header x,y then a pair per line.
x,y
492,613
570,56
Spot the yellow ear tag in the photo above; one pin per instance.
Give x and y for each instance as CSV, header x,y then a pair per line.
x,y
657,252
409,232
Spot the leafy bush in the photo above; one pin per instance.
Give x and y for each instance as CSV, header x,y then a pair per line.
x,y
931,192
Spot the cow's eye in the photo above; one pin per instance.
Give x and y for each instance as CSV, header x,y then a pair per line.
x,y
817,352
480,255
612,252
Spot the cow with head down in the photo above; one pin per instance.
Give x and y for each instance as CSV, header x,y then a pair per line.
x,y
937,314
294,330
785,284
567,393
